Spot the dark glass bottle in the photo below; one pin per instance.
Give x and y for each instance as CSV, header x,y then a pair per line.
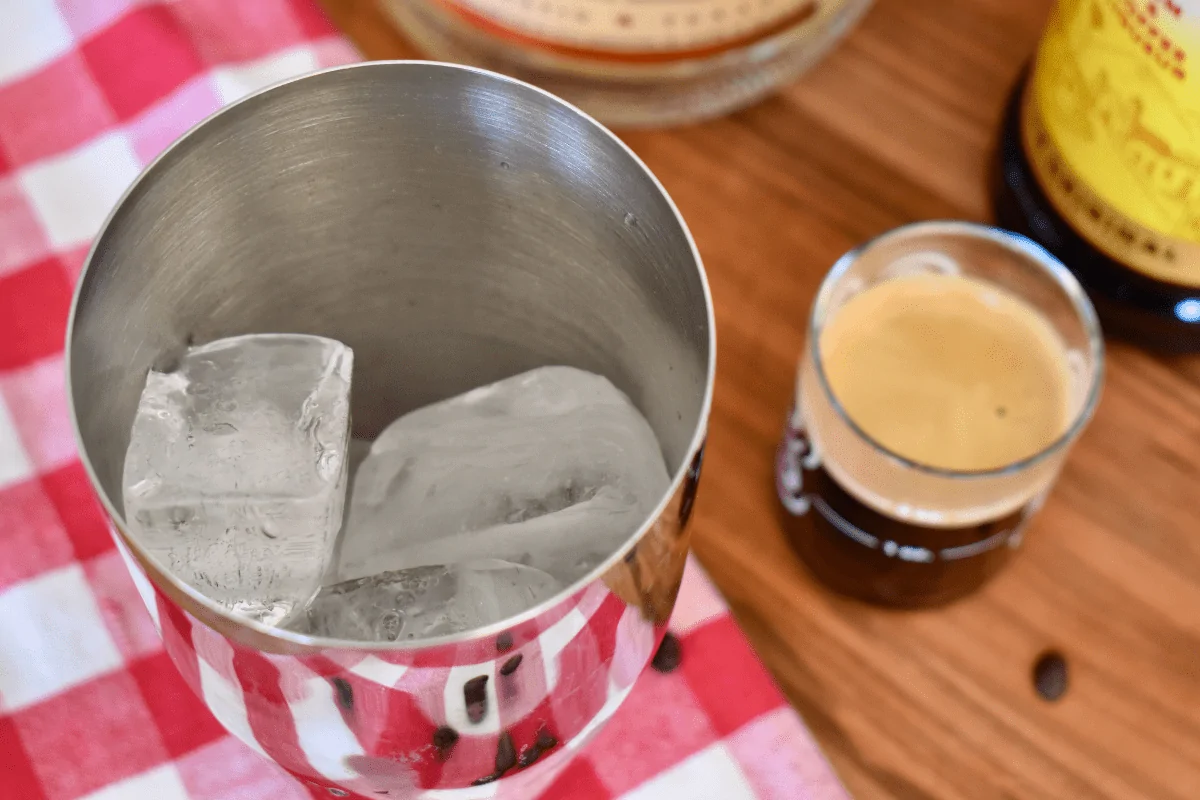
x,y
1099,161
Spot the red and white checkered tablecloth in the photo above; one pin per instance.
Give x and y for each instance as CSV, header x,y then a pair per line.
x,y
90,705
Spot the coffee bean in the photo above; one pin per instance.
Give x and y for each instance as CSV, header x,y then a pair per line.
x,y
344,692
669,654
511,665
444,739
1050,675
506,759
506,753
530,755
504,642
546,740
475,697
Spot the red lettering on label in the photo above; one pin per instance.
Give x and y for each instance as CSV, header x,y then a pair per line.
x,y
1143,31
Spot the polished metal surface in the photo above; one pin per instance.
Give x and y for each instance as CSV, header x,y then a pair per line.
x,y
452,226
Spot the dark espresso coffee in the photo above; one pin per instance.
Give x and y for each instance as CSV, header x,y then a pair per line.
x,y
939,386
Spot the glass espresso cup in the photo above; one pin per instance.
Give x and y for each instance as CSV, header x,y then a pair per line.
x,y
887,501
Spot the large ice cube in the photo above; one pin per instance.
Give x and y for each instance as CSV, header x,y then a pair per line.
x,y
235,476
425,601
553,468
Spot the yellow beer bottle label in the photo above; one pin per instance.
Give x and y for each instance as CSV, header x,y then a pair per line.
x,y
1111,126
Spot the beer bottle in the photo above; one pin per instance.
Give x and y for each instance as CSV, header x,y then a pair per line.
x,y
1099,161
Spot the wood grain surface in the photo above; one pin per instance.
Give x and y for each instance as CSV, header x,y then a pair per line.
x,y
898,125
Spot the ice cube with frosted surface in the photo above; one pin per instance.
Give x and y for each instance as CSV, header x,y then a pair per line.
x,y
235,476
553,468
425,601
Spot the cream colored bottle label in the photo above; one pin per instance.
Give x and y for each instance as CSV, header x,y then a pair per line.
x,y
1112,129
638,27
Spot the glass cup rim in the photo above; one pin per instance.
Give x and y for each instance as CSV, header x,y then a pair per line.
x,y
1022,247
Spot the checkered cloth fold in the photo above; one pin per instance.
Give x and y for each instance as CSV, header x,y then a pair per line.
x,y
90,705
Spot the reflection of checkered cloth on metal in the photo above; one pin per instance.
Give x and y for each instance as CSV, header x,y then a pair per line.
x,y
90,704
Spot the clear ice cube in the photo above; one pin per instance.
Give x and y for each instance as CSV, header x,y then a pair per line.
x,y
553,468
235,477
425,601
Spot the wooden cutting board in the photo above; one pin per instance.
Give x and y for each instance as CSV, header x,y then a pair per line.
x,y
898,124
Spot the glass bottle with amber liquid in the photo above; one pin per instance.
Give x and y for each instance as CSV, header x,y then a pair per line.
x,y
1099,161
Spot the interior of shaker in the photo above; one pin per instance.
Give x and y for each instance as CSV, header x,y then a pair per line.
x,y
452,227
